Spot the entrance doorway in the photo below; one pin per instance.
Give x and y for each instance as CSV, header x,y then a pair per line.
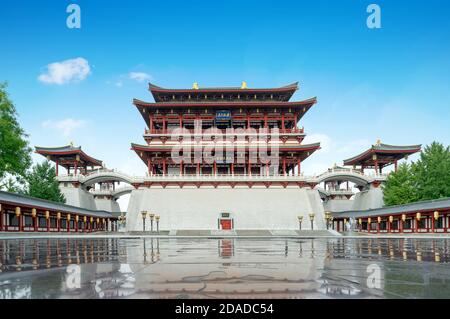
x,y
225,222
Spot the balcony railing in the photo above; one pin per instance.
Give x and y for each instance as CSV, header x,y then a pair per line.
x,y
221,131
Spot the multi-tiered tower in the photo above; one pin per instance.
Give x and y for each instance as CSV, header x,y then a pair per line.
x,y
225,158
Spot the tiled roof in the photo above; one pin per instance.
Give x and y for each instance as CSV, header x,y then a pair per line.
x,y
17,199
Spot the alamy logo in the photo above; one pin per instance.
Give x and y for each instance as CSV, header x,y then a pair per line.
x,y
374,19
74,19
214,145
73,279
374,277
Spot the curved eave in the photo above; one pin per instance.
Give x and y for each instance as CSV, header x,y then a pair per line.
x,y
305,105
306,149
382,149
77,151
239,104
288,88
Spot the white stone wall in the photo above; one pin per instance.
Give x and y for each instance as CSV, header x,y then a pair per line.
x,y
251,208
369,199
78,197
108,205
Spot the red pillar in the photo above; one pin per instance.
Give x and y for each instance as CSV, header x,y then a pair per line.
x,y
299,166
284,165
164,166
150,122
76,224
432,223
56,167
295,122
21,222
149,166
36,223
1,218
198,168
180,119
181,168
395,164
164,124
248,120
283,127
265,120
58,224
368,226
68,225
76,168
232,169
400,226
249,172
215,168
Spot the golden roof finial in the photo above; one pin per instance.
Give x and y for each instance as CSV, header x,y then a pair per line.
x,y
244,85
378,142
195,86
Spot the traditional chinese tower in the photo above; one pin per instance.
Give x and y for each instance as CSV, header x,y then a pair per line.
x,y
238,190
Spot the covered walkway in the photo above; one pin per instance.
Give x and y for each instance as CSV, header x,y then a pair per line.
x,y
20,213
422,217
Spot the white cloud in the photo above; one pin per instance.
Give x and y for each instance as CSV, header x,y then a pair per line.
x,y
66,126
139,76
119,84
73,70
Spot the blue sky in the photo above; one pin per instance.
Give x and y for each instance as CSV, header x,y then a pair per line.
x,y
390,83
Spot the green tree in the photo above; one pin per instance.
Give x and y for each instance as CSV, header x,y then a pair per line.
x,y
15,152
42,183
399,187
432,172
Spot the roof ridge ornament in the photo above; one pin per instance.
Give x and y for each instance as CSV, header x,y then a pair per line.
x,y
244,85
378,143
195,86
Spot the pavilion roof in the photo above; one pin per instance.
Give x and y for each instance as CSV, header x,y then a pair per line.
x,y
67,153
385,154
156,90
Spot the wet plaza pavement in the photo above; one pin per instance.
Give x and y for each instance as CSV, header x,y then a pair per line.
x,y
225,268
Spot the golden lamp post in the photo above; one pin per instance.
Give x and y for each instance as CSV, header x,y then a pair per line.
x,y
311,218
157,217
418,217
300,219
152,216
144,216
18,213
